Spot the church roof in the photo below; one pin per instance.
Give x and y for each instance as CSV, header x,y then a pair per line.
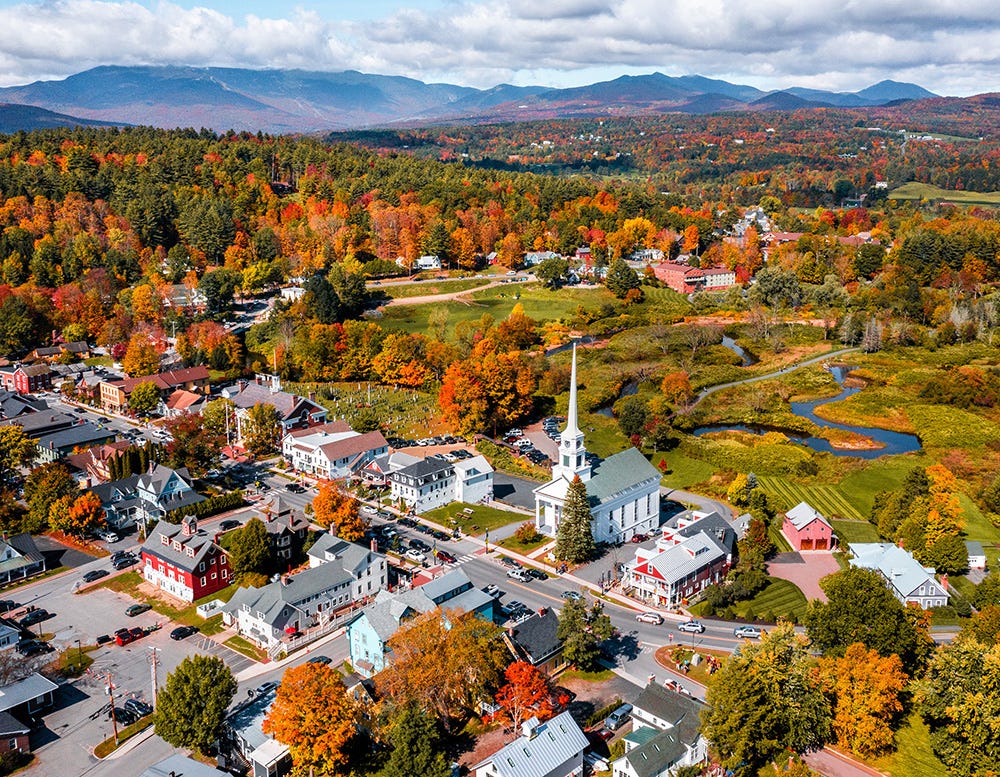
x,y
619,473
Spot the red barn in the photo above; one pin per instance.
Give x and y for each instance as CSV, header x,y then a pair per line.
x,y
184,561
806,529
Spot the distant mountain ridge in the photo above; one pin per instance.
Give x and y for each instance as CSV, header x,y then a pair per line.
x,y
291,101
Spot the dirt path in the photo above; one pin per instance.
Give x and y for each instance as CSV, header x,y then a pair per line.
x,y
452,295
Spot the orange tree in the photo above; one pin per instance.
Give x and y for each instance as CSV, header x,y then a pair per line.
x,y
864,689
333,508
527,693
314,716
444,663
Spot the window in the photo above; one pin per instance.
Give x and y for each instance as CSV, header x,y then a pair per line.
x,y
204,581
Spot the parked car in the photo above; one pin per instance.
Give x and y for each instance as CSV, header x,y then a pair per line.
x,y
493,590
536,573
229,523
415,555
295,488
650,617
618,718
33,617
693,627
519,574
125,561
509,563
605,734
108,536
572,596
33,647
183,632
137,609
8,604
324,660
124,717
94,574
640,537
418,544
125,636
138,708
747,632
267,687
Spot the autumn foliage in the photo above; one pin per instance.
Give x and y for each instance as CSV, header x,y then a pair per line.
x,y
528,693
314,716
332,508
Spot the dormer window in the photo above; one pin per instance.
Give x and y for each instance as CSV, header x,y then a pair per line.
x,y
189,552
164,539
177,545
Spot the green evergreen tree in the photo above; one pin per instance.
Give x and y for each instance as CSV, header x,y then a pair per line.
x,y
249,550
575,538
621,278
192,705
416,746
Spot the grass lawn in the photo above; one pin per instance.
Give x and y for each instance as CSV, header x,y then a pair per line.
x,y
913,756
779,598
480,520
512,543
246,648
600,676
923,191
683,470
672,655
109,745
73,661
855,531
977,525
774,532
437,286
129,583
885,474
831,501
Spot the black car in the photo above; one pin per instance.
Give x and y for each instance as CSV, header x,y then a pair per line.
x,y
440,536
229,523
320,660
33,647
182,632
33,617
137,707
124,717
537,573
423,528
94,574
404,521
120,554
125,561
8,604
295,488
420,545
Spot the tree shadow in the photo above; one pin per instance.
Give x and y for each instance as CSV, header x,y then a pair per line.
x,y
623,645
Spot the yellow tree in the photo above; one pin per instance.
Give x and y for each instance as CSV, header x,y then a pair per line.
x,y
944,514
146,303
864,689
333,508
314,716
691,239
141,357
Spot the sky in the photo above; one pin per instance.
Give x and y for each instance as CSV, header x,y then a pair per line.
x,y
951,47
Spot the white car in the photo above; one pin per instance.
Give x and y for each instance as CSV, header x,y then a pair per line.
x,y
649,617
108,536
747,632
415,555
693,627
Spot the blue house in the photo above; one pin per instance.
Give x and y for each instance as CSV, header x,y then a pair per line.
x,y
369,633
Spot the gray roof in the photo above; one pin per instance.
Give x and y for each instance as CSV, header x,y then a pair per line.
x,y
723,532
286,404
536,636
974,548
897,566
31,687
655,756
446,587
47,421
180,766
554,743
75,436
668,705
352,557
10,725
247,718
201,542
619,473
804,514
274,599
678,561
24,544
424,468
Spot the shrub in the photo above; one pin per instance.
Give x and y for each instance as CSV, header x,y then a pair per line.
x,y
208,507
527,533
598,715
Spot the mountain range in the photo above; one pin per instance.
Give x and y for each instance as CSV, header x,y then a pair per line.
x,y
293,101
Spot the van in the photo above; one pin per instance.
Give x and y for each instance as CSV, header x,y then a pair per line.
x,y
618,718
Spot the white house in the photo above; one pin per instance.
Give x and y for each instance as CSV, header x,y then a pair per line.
x,y
907,579
976,554
424,485
473,480
624,489
367,569
429,262
665,735
332,450
550,749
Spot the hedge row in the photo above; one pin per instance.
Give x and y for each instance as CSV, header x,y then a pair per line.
x,y
210,506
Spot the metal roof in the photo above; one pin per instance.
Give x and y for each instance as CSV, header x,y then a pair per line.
x,y
550,745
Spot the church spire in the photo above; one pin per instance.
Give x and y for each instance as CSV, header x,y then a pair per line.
x,y
572,453
572,427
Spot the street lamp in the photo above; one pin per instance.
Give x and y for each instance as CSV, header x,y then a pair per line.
x,y
79,653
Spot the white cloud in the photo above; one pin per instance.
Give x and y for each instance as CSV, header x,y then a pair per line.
x,y
949,46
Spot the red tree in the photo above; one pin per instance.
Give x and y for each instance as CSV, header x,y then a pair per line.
x,y
527,693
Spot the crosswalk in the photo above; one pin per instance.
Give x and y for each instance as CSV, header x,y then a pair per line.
x,y
461,560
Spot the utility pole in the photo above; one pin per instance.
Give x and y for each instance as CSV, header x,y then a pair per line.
x,y
111,698
153,661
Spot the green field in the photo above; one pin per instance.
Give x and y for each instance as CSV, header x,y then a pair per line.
x,y
780,598
406,290
831,501
851,532
923,191
913,756
481,519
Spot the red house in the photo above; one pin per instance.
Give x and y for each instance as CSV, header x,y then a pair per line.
x,y
806,529
184,561
26,379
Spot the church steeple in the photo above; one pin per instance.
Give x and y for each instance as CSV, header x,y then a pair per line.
x,y
572,458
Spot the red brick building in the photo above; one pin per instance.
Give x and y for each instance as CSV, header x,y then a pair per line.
x,y
685,279
184,561
26,379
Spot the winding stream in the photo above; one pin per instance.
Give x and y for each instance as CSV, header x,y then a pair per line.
x,y
893,442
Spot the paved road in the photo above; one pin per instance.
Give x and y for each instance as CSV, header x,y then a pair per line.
x,y
815,360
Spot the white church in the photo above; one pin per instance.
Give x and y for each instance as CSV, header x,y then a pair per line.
x,y
624,489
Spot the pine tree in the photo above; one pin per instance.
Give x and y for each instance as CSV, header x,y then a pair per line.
x,y
416,744
574,538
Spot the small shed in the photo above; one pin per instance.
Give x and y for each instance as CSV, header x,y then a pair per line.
x,y
977,556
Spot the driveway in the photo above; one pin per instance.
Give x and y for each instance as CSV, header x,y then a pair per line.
x,y
805,570
514,490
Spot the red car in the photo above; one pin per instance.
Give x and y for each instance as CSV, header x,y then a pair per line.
x,y
445,557
124,636
640,537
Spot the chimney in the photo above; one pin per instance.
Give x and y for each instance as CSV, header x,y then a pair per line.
x,y
312,396
374,546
